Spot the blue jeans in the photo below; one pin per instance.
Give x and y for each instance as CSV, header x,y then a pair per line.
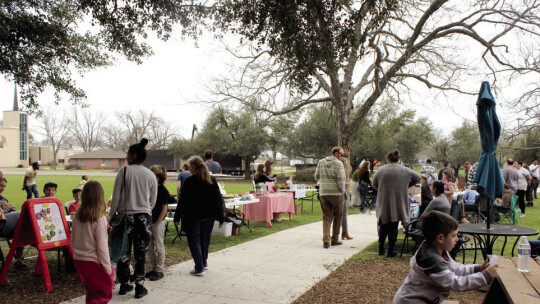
x,y
31,189
363,195
373,201
199,236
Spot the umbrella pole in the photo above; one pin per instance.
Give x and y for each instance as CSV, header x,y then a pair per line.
x,y
489,249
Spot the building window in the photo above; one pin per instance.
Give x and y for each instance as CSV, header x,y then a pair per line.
x,y
60,161
107,162
23,136
80,162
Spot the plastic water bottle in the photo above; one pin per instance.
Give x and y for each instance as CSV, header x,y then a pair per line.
x,y
524,255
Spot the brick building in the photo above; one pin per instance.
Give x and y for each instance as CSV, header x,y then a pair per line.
x,y
98,159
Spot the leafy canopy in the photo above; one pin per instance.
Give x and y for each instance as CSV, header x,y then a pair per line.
x,y
306,35
43,42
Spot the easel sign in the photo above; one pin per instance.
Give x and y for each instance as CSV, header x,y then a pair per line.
x,y
42,224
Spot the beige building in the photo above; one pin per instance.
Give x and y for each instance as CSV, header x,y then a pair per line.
x,y
14,137
44,154
41,154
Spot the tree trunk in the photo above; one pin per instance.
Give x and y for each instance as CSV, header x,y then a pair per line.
x,y
247,167
344,141
53,161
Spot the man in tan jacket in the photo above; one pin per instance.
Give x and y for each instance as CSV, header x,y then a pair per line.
x,y
331,176
29,182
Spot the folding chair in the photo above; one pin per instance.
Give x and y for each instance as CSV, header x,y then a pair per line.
x,y
474,215
66,206
456,211
508,215
412,230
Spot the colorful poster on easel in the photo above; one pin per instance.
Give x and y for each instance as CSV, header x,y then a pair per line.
x,y
50,222
42,224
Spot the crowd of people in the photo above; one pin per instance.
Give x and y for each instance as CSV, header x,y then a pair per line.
x,y
433,272
140,200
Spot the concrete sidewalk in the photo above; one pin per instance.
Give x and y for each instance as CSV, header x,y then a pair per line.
x,y
274,269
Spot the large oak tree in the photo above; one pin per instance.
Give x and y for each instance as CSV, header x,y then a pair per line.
x,y
351,53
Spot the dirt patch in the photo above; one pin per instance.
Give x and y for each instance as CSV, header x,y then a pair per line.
x,y
372,282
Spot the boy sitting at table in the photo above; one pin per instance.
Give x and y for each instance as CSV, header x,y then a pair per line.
x,y
433,272
77,200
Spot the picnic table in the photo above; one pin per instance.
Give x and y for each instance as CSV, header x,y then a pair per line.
x,y
268,205
513,286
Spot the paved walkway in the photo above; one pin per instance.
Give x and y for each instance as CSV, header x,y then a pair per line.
x,y
274,269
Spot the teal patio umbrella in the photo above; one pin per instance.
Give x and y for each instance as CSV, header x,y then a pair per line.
x,y
488,174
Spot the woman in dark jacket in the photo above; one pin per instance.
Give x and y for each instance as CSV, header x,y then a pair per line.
x,y
364,183
425,193
199,205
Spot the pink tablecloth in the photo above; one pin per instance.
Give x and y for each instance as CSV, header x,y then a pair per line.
x,y
269,204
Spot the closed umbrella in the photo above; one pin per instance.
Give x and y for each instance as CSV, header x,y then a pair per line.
x,y
488,174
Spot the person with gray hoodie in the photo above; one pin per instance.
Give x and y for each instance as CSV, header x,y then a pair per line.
x,y
134,197
434,274
330,174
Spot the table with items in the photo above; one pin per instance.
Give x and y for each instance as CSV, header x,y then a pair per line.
x,y
268,205
302,193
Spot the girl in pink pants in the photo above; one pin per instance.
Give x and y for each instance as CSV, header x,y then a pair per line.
x,y
89,241
98,283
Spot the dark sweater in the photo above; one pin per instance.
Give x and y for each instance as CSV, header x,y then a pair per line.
x,y
163,198
426,197
263,178
199,200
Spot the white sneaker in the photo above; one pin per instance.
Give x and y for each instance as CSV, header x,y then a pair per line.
x,y
522,215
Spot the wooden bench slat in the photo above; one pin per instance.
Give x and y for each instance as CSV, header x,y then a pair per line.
x,y
505,262
516,287
533,276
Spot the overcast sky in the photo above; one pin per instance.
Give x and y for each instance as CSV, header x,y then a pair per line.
x,y
179,72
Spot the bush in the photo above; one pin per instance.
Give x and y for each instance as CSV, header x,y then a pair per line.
x,y
19,166
306,175
281,178
70,167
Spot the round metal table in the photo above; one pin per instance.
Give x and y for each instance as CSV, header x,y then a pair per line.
x,y
481,234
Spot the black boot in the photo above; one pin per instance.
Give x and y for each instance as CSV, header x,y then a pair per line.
x,y
140,291
125,288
